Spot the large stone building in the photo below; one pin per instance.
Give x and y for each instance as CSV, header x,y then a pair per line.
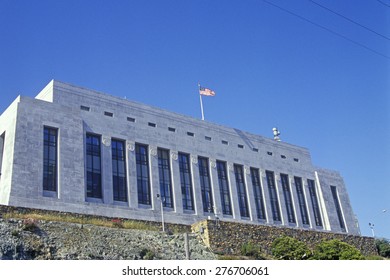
x,y
77,150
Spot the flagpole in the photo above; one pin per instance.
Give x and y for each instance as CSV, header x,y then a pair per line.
x,y
201,103
201,106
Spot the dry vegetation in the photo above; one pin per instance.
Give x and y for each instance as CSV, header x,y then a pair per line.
x,y
117,223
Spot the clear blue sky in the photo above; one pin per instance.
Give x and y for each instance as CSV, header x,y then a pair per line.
x,y
323,80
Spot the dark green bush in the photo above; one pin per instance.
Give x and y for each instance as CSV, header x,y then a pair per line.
x,y
251,250
147,254
288,248
336,250
383,247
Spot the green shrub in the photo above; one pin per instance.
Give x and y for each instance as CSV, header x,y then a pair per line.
x,y
288,248
383,247
336,250
251,250
146,254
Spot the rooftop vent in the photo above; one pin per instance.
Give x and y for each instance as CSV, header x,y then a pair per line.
x,y
276,134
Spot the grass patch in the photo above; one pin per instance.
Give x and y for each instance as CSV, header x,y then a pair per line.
x,y
130,224
229,257
372,257
112,223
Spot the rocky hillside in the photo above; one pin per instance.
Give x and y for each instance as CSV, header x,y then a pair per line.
x,y
22,239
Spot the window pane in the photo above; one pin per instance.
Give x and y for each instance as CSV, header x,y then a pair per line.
x,y
241,190
301,200
118,170
288,198
273,196
165,177
338,207
224,188
314,202
186,183
50,159
96,163
94,187
142,174
205,185
258,193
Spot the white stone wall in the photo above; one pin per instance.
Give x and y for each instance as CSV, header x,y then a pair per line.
x,y
64,113
7,129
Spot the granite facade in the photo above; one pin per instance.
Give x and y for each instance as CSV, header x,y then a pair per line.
x,y
74,111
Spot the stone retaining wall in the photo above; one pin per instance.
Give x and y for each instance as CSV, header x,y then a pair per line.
x,y
48,240
227,238
156,225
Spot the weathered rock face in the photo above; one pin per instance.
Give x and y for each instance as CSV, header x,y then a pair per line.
x,y
227,238
67,241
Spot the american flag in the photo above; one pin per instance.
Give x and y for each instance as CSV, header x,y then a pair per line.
x,y
206,91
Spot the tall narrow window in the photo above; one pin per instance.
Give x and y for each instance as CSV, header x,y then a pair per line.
x,y
314,202
49,159
186,182
143,182
224,188
273,196
94,174
205,185
338,207
241,190
2,140
164,172
288,198
119,170
301,200
258,193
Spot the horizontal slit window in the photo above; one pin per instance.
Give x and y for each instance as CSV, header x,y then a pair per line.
x,y
190,134
171,129
240,146
84,108
108,114
269,153
283,156
296,159
208,138
225,142
130,119
151,124
255,150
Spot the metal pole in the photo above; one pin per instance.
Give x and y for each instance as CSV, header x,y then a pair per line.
x,y
201,106
372,225
162,215
186,246
372,229
162,211
201,102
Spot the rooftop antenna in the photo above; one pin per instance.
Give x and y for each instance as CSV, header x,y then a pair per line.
x,y
276,134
